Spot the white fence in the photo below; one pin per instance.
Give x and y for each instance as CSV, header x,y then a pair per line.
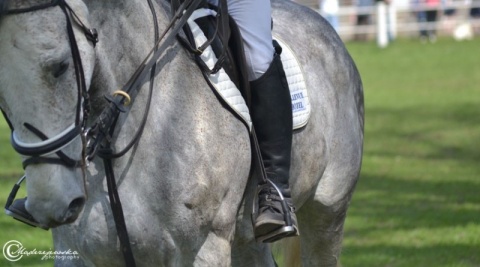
x,y
402,18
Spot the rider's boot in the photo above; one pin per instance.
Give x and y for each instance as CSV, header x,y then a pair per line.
x,y
271,112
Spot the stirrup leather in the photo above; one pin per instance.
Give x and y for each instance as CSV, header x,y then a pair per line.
x,y
287,230
22,216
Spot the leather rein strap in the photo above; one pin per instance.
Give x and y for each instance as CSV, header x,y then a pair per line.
x,y
102,131
102,128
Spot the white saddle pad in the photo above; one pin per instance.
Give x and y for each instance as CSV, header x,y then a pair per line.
x,y
230,93
298,88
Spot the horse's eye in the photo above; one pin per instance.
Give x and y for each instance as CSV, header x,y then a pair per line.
x,y
59,68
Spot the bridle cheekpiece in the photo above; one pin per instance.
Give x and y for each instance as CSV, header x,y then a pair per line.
x,y
36,152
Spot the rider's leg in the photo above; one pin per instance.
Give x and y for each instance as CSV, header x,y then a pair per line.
x,y
271,112
253,18
271,116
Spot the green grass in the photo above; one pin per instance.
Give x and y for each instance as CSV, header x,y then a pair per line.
x,y
10,229
417,203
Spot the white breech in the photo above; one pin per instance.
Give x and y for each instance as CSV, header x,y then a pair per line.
x,y
253,17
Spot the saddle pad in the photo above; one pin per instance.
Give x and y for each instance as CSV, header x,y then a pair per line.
x,y
296,82
220,80
227,90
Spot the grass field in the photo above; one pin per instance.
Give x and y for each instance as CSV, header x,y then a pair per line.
x,y
417,203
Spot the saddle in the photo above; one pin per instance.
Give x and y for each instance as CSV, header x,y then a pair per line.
x,y
214,40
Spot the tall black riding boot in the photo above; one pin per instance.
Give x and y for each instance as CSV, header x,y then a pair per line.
x,y
271,113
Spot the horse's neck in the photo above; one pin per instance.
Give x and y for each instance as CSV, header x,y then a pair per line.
x,y
126,35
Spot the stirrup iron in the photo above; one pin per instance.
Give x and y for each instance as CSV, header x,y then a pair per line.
x,y
284,231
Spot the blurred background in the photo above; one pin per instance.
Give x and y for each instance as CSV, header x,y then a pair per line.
x,y
417,203
362,19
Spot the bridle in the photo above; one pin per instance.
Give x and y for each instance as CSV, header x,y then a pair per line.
x,y
97,139
36,152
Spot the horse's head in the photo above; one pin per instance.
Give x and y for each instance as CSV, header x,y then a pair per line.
x,y
46,63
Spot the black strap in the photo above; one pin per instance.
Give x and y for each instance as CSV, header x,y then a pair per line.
x,y
174,27
112,112
57,161
118,216
222,31
147,66
77,60
45,149
62,160
90,33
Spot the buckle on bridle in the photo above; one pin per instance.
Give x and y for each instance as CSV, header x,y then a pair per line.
x,y
91,35
90,136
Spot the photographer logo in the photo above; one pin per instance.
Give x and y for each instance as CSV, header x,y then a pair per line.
x,y
13,250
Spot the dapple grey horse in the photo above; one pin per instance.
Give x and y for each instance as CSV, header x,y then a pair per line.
x,y
185,186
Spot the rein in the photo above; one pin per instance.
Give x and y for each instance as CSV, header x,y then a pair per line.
x,y
102,128
102,131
